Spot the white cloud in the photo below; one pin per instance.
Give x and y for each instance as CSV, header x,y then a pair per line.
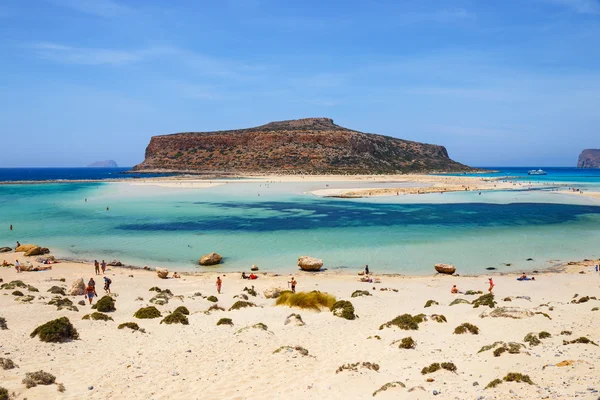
x,y
93,56
100,8
579,6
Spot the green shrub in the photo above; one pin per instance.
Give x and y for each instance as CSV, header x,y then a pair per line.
x,y
225,321
358,293
175,318
241,304
56,331
419,318
3,325
431,369
7,363
584,299
431,303
4,395
498,352
485,300
542,313
250,291
306,300
17,293
493,383
581,340
448,366
183,310
62,302
32,288
214,307
407,343
105,304
544,335
566,333
466,327
405,322
57,290
13,285
154,289
439,318
97,316
354,367
131,325
212,298
147,313
517,377
507,299
595,309
473,292
459,301
40,377
532,339
387,386
343,309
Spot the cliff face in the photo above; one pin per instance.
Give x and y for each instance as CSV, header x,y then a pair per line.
x,y
304,146
589,158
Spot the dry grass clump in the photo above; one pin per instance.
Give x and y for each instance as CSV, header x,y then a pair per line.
x,y
214,307
212,299
473,292
448,366
431,303
250,291
17,293
543,313
532,339
387,386
182,310
405,322
32,288
581,340
358,293
225,321
57,290
494,383
306,300
407,343
485,300
97,316
56,331
544,335
354,367
299,349
175,318
566,333
459,301
517,377
466,327
583,299
147,313
7,363
439,318
131,325
4,395
343,309
3,325
62,303
40,377
241,304
13,285
105,304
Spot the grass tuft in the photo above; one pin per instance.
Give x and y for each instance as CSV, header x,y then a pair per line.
x,y
354,367
466,327
359,293
131,325
225,321
97,316
405,322
485,300
241,304
306,300
343,309
40,377
175,318
387,386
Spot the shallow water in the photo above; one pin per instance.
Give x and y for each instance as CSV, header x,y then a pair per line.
x,y
272,224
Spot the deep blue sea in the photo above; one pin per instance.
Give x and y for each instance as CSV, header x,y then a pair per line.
x,y
69,174
270,225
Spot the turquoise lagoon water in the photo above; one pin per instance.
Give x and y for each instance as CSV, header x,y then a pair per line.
x,y
155,226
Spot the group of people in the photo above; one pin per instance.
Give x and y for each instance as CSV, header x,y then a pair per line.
x,y
455,290
90,289
252,276
98,266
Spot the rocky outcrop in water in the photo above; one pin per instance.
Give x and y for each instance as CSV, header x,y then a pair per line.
x,y
304,146
589,158
103,164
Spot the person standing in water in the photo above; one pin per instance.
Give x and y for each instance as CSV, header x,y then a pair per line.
x,y
219,284
11,227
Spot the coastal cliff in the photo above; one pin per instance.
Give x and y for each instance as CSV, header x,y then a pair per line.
x,y
589,158
303,146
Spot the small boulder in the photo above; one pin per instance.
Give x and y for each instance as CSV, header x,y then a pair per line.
x,y
210,259
5,249
294,319
25,248
34,251
162,273
273,293
254,268
445,268
77,288
307,263
508,312
115,263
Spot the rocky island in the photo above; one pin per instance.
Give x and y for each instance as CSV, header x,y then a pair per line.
x,y
589,158
103,164
303,146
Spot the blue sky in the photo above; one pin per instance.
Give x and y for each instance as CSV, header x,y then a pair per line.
x,y
496,82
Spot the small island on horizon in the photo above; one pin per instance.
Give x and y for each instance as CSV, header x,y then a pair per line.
x,y
103,164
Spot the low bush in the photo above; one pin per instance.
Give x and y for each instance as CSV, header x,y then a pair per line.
x,y
175,318
40,377
473,292
517,377
355,366
343,309
97,316
147,313
407,343
3,325
439,318
459,301
299,349
566,333
431,303
17,293
4,395
250,291
485,300
212,298
448,366
431,368
57,290
225,321
214,307
7,363
405,322
306,300
131,325
241,304
154,289
532,339
466,327
359,293
544,335
13,285
183,310
581,340
56,331
62,303
105,304
387,386
493,383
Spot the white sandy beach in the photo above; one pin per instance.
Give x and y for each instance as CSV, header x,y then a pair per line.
x,y
205,361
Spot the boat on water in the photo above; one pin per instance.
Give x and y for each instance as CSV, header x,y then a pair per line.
x,y
536,172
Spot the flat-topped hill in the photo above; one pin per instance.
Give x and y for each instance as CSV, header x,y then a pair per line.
x,y
303,146
589,158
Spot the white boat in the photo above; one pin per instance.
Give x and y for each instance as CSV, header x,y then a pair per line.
x,y
536,172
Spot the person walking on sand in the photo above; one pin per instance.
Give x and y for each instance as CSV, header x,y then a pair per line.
x,y
293,284
18,266
491,285
90,292
219,284
103,266
107,283
97,267
366,270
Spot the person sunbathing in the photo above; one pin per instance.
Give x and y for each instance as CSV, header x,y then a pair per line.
x,y
454,290
176,275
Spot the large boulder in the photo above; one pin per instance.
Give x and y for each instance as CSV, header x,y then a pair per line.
x,y
37,251
273,293
5,249
162,273
445,268
115,263
25,248
307,263
77,288
211,259
508,312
